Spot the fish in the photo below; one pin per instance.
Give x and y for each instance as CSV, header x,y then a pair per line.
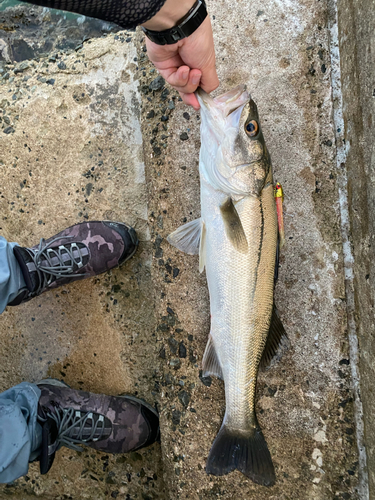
x,y
236,238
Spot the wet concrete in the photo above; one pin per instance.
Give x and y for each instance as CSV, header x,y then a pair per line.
x,y
143,328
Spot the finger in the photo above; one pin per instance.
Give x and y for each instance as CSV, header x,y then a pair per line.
x,y
177,77
194,81
190,100
209,80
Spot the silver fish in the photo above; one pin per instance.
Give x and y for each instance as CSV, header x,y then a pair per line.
x,y
236,238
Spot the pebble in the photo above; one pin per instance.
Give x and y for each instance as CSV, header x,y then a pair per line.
x,y
176,417
173,345
150,114
182,350
61,65
51,81
184,397
207,381
175,363
184,136
24,65
8,130
157,84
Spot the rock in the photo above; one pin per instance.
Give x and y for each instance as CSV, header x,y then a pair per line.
x,y
61,65
51,81
176,417
157,84
186,116
150,114
207,381
173,345
182,350
23,66
8,130
175,363
184,397
184,136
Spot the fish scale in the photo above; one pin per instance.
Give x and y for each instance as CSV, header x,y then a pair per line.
x,y
236,238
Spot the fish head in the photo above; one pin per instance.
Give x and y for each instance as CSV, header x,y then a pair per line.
x,y
234,154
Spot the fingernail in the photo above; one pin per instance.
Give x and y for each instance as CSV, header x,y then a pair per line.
x,y
196,79
185,74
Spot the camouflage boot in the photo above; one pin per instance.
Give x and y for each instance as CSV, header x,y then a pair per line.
x,y
81,251
107,423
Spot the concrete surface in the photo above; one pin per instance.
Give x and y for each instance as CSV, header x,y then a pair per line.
x,y
357,52
144,327
76,154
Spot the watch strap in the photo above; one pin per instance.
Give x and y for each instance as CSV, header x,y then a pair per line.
x,y
184,28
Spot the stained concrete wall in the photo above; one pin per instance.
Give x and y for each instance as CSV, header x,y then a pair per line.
x,y
143,328
357,56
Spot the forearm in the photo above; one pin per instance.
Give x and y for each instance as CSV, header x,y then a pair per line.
x,y
124,13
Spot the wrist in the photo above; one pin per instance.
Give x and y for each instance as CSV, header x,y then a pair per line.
x,y
169,15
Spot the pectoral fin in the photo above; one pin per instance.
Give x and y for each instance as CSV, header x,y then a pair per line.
x,y
233,226
187,237
277,337
211,363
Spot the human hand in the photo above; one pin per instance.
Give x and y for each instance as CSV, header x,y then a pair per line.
x,y
189,63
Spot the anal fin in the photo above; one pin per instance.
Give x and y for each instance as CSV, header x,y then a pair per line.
x,y
277,337
211,364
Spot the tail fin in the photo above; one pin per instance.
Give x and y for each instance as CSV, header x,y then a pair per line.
x,y
246,451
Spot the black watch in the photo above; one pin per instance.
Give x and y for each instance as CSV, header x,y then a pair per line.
x,y
184,28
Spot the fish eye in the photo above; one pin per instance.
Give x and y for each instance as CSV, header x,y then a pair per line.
x,y
252,128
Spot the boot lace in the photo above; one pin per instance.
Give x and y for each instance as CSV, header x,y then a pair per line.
x,y
75,427
48,271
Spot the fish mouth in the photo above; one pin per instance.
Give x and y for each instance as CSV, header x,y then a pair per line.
x,y
227,103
